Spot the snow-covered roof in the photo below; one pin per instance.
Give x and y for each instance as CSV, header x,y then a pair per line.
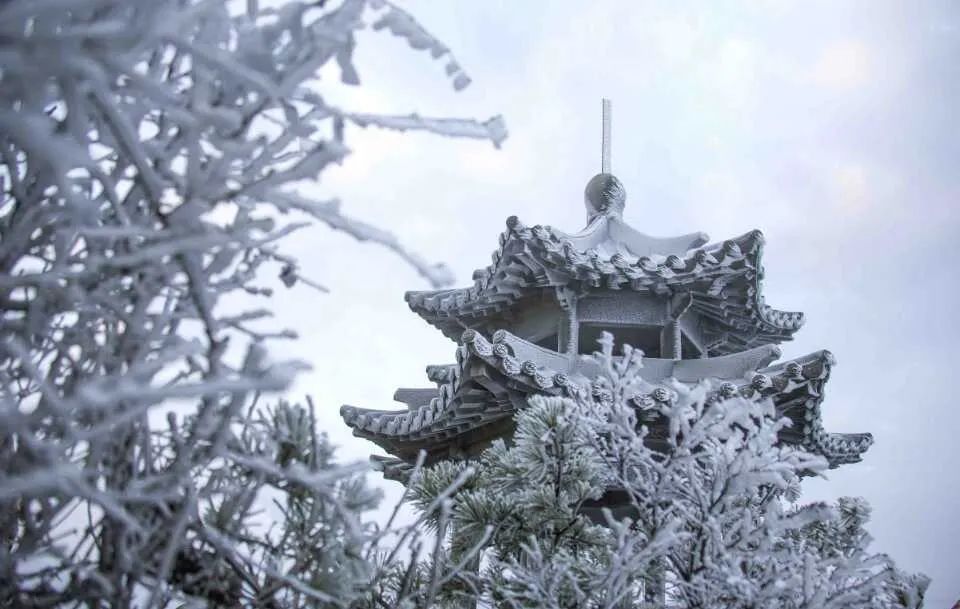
x,y
723,278
476,397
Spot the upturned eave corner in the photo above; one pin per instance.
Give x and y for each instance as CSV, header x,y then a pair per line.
x,y
493,377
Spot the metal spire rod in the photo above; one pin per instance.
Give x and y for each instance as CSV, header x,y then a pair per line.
x,y
605,159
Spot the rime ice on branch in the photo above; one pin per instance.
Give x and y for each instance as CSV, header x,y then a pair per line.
x,y
150,152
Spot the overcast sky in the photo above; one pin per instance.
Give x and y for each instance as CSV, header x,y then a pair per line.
x,y
830,126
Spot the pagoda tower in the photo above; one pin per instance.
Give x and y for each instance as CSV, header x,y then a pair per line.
x,y
696,309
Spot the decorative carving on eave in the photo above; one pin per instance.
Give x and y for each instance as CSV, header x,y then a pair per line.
x,y
723,278
796,386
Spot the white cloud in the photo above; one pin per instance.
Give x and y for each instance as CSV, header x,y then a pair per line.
x,y
728,73
845,64
851,188
676,38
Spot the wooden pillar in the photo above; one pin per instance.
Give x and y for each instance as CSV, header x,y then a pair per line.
x,y
671,343
570,328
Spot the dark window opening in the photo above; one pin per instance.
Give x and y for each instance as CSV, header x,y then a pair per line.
x,y
687,349
645,338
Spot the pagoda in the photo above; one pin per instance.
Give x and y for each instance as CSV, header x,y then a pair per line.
x,y
696,309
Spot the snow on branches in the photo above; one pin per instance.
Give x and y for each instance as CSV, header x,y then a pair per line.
x,y
589,506
147,154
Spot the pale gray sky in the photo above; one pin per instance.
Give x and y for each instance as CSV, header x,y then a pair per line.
x,y
830,126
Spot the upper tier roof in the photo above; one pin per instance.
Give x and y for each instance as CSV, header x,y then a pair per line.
x,y
724,278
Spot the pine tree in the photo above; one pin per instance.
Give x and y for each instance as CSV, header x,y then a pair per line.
x,y
588,507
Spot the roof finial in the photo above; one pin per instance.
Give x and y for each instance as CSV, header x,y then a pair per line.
x,y
604,194
605,160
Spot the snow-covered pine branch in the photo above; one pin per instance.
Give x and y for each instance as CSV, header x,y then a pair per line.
x,y
147,154
588,508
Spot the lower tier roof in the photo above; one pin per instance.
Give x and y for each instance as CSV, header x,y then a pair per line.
x,y
476,398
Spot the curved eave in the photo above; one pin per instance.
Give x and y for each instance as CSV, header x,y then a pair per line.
x,y
463,402
797,387
489,377
724,277
608,233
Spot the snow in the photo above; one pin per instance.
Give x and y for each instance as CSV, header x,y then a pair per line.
x,y
150,152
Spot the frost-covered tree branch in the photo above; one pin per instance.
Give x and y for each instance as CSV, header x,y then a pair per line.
x,y
588,507
149,153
